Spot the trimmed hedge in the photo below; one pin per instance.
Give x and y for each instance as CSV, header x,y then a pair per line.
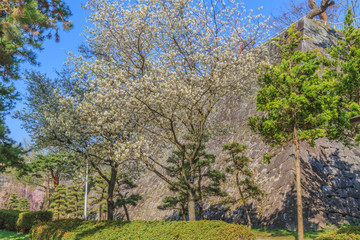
x,y
8,219
71,229
344,233
28,219
14,220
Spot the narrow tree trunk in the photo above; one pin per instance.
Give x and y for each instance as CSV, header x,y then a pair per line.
x,y
126,213
110,196
183,212
298,188
191,207
200,196
100,212
249,224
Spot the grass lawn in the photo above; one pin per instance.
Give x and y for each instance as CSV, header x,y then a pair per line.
x,y
283,234
12,236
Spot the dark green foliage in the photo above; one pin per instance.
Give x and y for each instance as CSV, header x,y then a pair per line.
x,y
8,219
28,219
58,202
204,180
343,233
75,199
10,153
24,25
238,165
80,229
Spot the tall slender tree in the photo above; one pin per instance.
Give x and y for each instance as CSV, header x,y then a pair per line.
x,y
297,103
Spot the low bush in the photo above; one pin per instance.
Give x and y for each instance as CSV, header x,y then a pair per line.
x,y
344,233
71,229
27,219
8,219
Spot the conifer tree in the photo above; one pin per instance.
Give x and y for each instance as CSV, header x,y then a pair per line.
x,y
59,202
346,68
124,183
13,201
238,165
75,199
205,180
298,104
16,203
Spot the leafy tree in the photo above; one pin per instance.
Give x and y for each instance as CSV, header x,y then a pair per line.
x,y
167,68
238,165
297,104
24,25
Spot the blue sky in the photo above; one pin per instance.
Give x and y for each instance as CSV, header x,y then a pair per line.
x,y
54,54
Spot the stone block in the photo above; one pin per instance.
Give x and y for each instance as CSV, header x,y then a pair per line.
x,y
327,191
338,205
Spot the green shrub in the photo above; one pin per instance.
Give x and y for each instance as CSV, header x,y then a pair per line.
x,y
70,229
8,219
344,233
27,219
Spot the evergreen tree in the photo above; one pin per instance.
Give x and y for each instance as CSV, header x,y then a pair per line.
x,y
298,104
59,202
204,180
124,183
16,203
238,165
346,68
24,25
23,204
178,202
13,201
75,200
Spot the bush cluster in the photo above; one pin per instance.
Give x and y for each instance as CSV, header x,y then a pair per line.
x,y
14,220
68,229
344,233
28,219
8,219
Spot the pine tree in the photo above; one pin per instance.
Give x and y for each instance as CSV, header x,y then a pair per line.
x,y
16,203
205,180
124,183
75,199
59,202
238,165
13,201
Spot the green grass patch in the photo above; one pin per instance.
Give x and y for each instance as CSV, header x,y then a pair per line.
x,y
12,236
283,234
72,229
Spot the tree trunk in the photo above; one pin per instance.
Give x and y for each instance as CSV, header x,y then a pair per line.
x,y
55,178
191,207
183,212
298,188
200,196
249,224
100,212
126,213
110,196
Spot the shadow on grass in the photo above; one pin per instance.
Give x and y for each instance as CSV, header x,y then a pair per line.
x,y
12,236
